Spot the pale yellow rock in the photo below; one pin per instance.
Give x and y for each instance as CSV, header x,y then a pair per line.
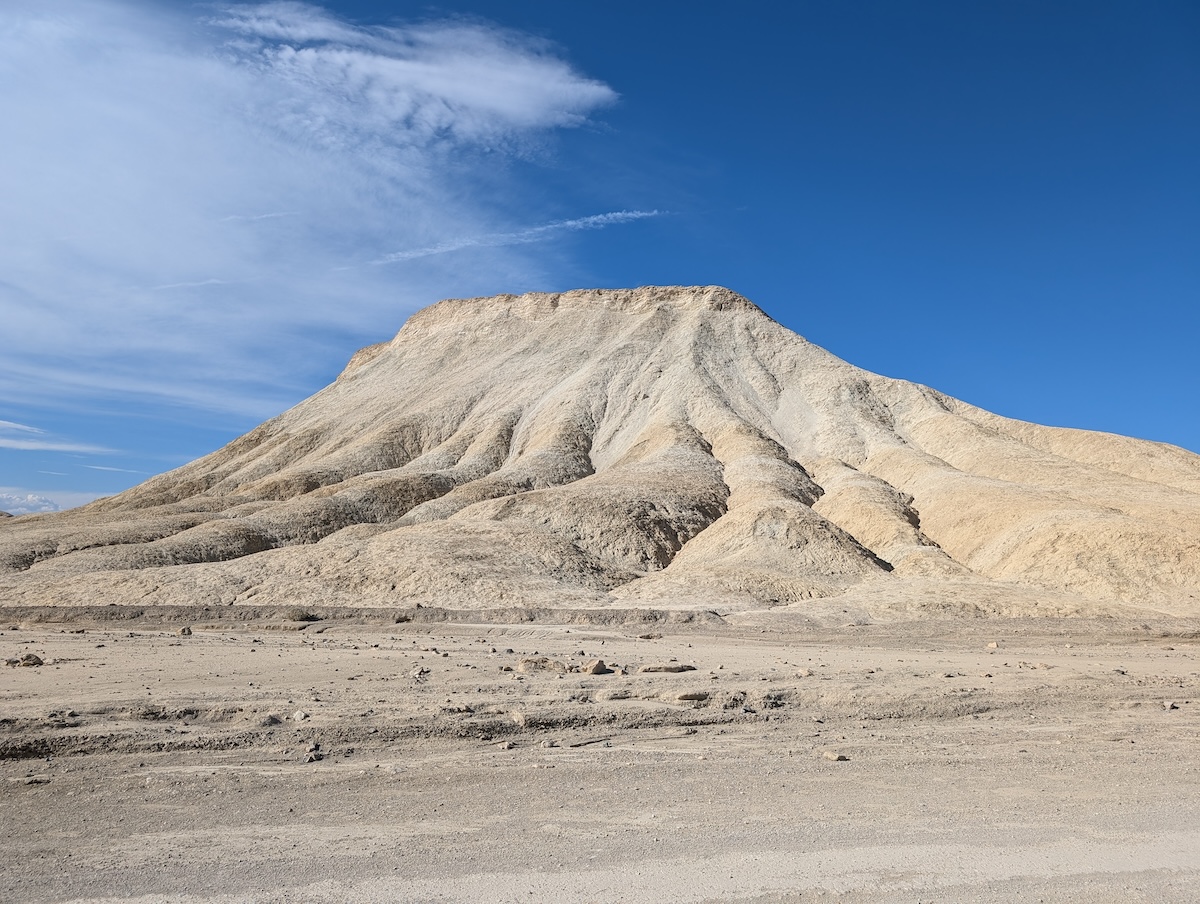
x,y
665,447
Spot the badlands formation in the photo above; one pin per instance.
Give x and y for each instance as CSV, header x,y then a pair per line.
x,y
658,447
612,596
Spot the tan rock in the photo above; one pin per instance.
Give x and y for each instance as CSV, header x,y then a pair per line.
x,y
541,664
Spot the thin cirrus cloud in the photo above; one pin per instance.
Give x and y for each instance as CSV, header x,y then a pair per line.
x,y
522,236
25,438
193,200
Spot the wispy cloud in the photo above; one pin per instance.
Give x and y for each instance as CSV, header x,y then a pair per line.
x,y
190,204
22,437
37,445
189,285
18,428
260,216
522,236
117,470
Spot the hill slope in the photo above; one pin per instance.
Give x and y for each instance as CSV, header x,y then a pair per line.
x,y
657,446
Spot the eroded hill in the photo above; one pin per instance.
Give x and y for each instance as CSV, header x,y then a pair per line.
x,y
667,447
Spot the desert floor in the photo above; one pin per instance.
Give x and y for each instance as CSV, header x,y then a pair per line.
x,y
356,760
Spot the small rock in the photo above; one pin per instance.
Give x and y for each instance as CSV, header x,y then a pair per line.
x,y
185,631
269,720
506,745
548,744
299,715
804,673
418,674
993,645
695,696
541,664
37,780
835,757
668,667
1170,704
30,660
649,637
314,757
595,667
314,747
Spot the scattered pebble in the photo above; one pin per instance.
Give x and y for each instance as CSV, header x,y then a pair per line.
x,y
299,715
836,757
595,667
185,631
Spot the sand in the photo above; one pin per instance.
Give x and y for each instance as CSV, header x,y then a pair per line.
x,y
352,760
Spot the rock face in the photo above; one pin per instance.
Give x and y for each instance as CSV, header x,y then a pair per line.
x,y
672,447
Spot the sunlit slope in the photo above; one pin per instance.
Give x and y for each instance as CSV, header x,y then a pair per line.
x,y
658,446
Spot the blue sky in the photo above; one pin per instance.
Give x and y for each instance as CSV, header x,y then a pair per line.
x,y
208,208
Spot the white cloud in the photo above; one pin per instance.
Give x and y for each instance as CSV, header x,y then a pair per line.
x,y
35,445
520,237
12,426
189,205
26,504
21,501
40,441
